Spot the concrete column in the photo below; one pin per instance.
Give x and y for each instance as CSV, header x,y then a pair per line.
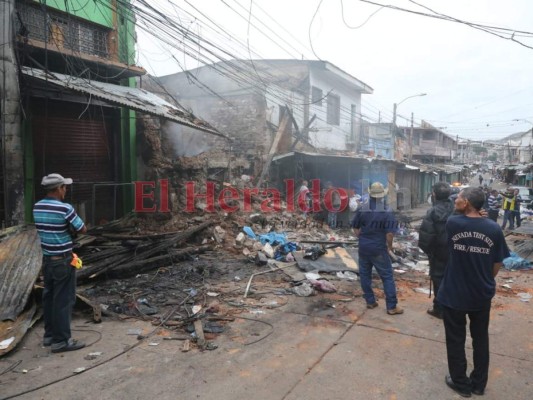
x,y
10,122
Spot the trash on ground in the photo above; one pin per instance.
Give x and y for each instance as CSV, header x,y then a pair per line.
x,y
525,297
516,262
303,290
312,275
323,286
351,276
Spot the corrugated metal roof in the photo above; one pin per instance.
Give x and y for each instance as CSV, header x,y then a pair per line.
x,y
133,98
21,259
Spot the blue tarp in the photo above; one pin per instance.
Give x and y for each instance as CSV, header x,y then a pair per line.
x,y
516,262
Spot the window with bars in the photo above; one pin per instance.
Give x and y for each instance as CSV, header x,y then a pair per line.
x,y
62,30
334,109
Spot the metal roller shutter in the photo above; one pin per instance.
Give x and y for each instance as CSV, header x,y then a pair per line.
x,y
77,148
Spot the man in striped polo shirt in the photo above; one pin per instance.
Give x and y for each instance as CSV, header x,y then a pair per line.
x,y
54,221
495,203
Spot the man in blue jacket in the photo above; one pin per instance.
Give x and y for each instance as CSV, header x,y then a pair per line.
x,y
375,225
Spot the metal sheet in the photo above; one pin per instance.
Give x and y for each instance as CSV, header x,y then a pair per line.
x,y
12,332
132,98
20,260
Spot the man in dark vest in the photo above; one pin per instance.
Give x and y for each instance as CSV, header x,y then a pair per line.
x,y
433,240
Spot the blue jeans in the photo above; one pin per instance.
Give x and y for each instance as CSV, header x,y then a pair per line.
x,y
59,296
384,268
515,216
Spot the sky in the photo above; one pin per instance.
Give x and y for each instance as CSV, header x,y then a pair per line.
x,y
479,86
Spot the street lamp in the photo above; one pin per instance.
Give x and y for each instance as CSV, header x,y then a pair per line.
x,y
397,104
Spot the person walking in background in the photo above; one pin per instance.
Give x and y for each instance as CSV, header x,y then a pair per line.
x,y
335,204
495,203
515,214
480,177
53,219
375,225
303,197
477,249
509,203
433,240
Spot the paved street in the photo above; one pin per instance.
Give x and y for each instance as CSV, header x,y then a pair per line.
x,y
327,346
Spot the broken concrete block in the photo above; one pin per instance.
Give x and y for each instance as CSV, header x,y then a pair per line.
x,y
268,250
257,246
219,233
240,239
304,290
246,252
261,259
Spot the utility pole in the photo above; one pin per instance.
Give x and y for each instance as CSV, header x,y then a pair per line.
x,y
11,149
411,138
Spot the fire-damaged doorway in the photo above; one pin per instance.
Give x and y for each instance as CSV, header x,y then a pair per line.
x,y
79,142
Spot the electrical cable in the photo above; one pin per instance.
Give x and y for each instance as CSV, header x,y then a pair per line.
x,y
360,25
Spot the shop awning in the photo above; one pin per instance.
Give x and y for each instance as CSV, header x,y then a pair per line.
x,y
124,96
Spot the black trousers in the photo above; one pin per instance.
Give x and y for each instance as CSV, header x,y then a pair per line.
x,y
436,280
59,296
455,328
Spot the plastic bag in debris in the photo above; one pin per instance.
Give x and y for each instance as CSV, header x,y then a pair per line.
x,y
323,285
283,250
249,232
314,252
516,262
273,238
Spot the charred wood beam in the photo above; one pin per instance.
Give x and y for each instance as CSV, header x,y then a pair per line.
x,y
136,267
120,259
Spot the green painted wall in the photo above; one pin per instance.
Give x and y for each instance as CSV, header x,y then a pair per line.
x,y
89,10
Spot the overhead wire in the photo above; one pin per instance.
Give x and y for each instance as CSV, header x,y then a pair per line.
x,y
363,23
492,30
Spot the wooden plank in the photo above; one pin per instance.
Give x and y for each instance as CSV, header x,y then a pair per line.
x,y
282,128
200,338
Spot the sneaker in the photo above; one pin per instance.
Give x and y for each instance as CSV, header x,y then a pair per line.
x,y
71,345
435,313
395,310
47,341
370,306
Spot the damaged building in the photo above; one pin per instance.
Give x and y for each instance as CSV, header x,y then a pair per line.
x,y
70,105
249,99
